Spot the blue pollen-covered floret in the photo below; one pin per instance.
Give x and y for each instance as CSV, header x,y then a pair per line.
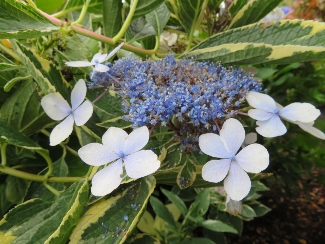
x,y
198,95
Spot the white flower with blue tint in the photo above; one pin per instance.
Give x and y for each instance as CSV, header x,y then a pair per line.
x,y
57,108
232,166
121,148
269,114
96,61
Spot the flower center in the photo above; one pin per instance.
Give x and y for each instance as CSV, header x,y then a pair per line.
x,y
276,111
232,158
121,154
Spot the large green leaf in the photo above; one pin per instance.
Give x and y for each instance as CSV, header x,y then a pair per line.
x,y
112,219
253,11
139,29
145,6
280,42
112,17
187,174
158,18
23,110
94,5
16,189
45,222
46,75
235,6
20,20
10,135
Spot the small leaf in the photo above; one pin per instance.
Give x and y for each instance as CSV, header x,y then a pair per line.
x,y
187,174
162,211
260,209
145,6
146,223
20,20
158,18
248,211
13,81
201,204
139,29
175,200
218,226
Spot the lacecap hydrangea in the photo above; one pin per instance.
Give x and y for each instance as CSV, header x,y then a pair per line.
x,y
188,96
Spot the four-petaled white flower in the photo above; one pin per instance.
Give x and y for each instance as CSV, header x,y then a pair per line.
x,y
57,108
253,158
118,145
269,114
96,61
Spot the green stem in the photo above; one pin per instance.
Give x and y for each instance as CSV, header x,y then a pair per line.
x,y
9,52
38,178
46,156
52,189
4,154
82,14
96,36
73,152
126,23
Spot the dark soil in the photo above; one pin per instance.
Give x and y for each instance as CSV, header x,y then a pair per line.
x,y
297,216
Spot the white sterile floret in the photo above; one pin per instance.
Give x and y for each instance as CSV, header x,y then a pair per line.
x,y
96,61
232,167
121,148
269,114
57,108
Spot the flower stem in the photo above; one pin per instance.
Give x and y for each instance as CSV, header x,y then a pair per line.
x,y
127,22
242,113
82,14
4,154
46,156
96,36
52,189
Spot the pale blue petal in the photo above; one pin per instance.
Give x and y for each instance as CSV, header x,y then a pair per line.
x,y
215,170
311,130
114,139
55,106
261,101
212,145
101,68
61,131
233,134
78,63
300,112
83,113
96,154
112,53
78,94
136,140
259,114
271,128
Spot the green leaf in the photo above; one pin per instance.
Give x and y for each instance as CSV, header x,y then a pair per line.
x,y
38,190
218,226
187,174
45,222
252,12
248,211
188,13
158,18
279,42
20,20
16,189
47,77
49,6
144,239
4,203
145,6
176,200
139,29
112,17
9,66
23,110
162,211
13,81
235,6
10,135
201,204
260,209
94,5
104,221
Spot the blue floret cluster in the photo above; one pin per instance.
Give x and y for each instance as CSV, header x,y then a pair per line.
x,y
190,97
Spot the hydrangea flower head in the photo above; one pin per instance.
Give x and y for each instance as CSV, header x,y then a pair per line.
x,y
195,94
232,166
121,148
269,114
57,108
96,61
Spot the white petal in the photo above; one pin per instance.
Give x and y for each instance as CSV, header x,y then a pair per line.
x,y
233,134
83,113
107,179
312,130
300,112
212,145
61,131
261,101
254,158
136,140
237,183
271,128
78,94
215,170
112,53
98,58
140,164
55,106
101,68
259,114
114,139
96,154
79,63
